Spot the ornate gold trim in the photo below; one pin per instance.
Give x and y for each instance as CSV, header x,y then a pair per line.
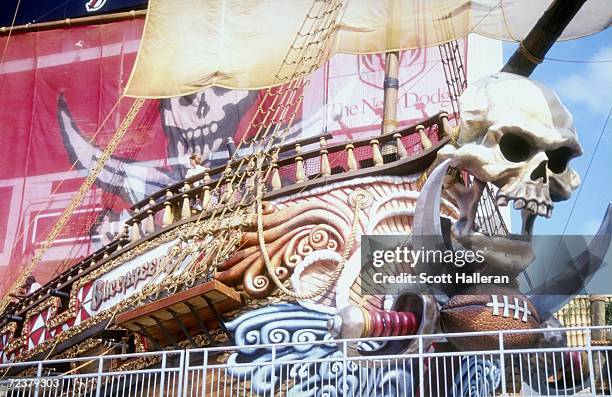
x,y
146,292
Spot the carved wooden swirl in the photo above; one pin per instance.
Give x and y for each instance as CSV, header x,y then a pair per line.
x,y
297,227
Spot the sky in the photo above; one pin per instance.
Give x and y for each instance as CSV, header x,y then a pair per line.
x,y
586,90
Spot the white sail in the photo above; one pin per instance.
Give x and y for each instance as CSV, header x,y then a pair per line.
x,y
190,45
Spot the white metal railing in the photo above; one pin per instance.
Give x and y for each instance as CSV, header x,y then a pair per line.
x,y
331,368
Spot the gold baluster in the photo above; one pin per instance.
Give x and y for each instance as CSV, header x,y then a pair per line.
x,y
300,175
559,316
150,222
228,193
205,198
186,207
325,167
578,321
168,217
402,153
206,177
566,321
376,154
425,142
276,181
135,231
444,128
351,161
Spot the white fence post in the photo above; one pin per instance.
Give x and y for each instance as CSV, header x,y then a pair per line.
x,y
205,365
590,358
344,372
502,363
272,372
421,368
38,376
162,382
184,373
99,382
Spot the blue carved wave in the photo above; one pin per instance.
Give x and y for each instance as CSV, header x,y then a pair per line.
x,y
308,369
477,377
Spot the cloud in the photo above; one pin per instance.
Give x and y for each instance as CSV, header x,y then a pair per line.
x,y
590,86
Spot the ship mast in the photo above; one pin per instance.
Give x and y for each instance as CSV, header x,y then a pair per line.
x,y
545,32
391,86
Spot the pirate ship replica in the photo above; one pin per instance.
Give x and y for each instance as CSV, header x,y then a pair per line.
x,y
263,250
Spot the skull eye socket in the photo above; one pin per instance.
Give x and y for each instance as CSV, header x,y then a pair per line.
x,y
187,100
558,159
514,147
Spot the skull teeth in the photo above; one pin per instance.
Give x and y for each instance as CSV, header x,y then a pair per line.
x,y
502,201
542,209
532,207
519,203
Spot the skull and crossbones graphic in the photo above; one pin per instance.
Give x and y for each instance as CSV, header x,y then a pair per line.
x,y
194,124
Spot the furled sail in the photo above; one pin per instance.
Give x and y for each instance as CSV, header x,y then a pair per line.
x,y
190,45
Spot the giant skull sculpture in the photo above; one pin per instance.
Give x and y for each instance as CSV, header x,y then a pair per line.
x,y
516,134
